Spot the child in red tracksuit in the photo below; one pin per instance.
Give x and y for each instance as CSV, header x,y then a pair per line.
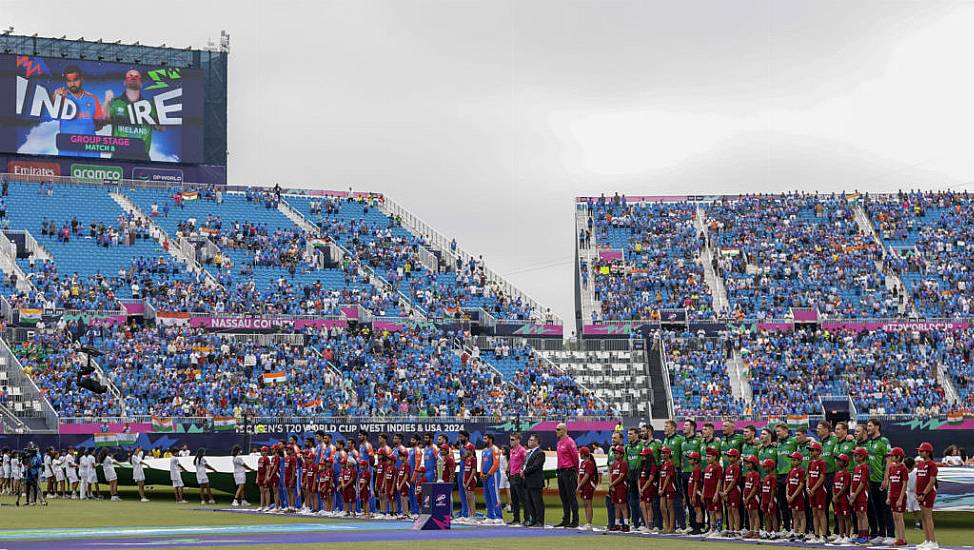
x,y
769,498
752,495
897,475
290,477
841,484
647,487
365,485
347,484
405,473
667,488
389,485
712,477
859,493
795,495
926,491
730,490
695,490
326,485
618,489
310,482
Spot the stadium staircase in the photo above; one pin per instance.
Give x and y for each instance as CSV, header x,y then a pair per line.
x,y
588,255
9,423
708,258
446,253
740,384
365,272
180,249
659,379
27,208
893,281
460,346
23,398
9,265
944,379
334,370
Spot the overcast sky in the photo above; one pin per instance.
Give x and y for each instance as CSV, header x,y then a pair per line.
x,y
487,118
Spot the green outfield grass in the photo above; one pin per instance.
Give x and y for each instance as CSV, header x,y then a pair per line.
x,y
953,528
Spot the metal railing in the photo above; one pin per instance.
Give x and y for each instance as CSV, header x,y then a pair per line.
x,y
7,247
664,365
485,343
462,346
365,271
448,419
6,310
313,419
9,423
32,246
950,392
39,405
187,248
190,260
419,227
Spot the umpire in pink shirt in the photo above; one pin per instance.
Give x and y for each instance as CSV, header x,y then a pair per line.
x,y
567,477
515,468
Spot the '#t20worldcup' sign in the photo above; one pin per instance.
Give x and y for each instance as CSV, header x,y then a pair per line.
x,y
94,109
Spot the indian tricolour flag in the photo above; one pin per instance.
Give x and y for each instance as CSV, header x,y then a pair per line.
x,y
126,438
106,439
162,424
224,423
275,377
955,417
190,196
172,318
797,421
30,316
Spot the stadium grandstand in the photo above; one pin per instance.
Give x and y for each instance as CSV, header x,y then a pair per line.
x,y
378,309
311,303
750,304
784,367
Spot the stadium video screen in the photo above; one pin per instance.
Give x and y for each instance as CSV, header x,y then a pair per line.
x,y
94,109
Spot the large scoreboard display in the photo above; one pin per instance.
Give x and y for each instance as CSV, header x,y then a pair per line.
x,y
100,110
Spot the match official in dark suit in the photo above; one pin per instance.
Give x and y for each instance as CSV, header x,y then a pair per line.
x,y
534,483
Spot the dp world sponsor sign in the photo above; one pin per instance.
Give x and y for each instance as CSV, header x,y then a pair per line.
x,y
96,173
166,175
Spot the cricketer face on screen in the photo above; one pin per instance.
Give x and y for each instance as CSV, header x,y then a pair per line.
x,y
149,112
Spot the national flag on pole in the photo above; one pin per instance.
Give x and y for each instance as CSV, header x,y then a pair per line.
x,y
275,377
162,424
106,439
797,421
190,196
224,423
